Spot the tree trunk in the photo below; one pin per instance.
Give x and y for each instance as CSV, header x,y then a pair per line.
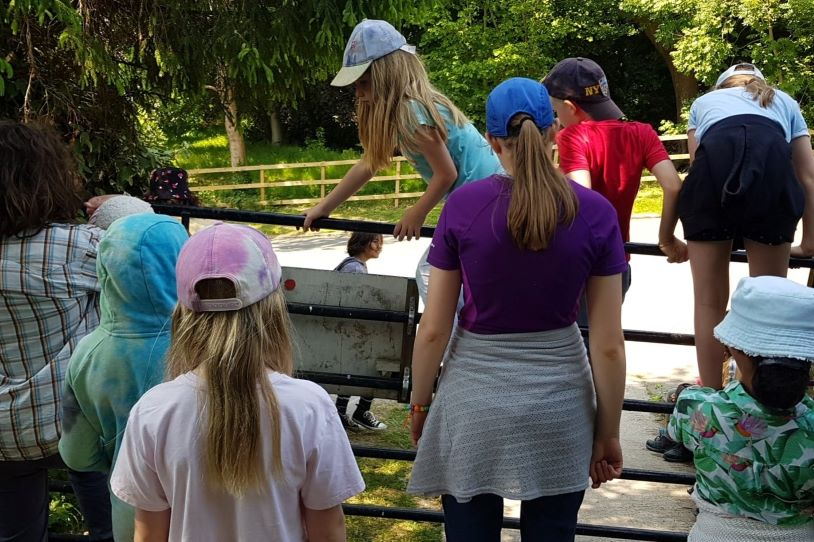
x,y
237,146
275,124
685,87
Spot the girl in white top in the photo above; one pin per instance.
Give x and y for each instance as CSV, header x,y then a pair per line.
x,y
233,448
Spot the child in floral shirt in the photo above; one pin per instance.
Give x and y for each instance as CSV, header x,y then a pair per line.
x,y
753,441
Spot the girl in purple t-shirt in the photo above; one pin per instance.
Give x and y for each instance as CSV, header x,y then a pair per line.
x,y
518,413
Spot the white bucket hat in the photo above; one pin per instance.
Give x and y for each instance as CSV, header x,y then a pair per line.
x,y
770,317
370,40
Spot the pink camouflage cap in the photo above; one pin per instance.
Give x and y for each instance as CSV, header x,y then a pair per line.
x,y
240,254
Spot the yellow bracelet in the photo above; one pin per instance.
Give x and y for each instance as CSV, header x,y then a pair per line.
x,y
419,408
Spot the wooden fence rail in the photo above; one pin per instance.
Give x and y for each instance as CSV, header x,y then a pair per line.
x,y
268,182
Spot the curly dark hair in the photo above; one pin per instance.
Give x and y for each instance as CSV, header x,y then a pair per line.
x,y
359,241
38,180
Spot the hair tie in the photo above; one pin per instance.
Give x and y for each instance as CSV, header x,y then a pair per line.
x,y
514,131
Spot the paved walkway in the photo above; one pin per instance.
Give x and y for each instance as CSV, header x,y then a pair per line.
x,y
660,299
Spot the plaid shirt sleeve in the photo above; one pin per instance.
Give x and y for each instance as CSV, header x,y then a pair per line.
x,y
50,301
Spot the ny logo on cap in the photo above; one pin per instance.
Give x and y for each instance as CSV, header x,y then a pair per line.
x,y
600,88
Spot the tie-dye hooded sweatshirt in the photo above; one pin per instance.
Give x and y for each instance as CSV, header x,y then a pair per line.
x,y
124,357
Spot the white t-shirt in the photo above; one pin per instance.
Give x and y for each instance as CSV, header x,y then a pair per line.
x,y
160,464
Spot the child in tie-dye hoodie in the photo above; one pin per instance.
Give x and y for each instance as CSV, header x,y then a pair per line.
x,y
124,357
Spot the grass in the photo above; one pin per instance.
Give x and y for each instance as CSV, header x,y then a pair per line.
x,y
386,481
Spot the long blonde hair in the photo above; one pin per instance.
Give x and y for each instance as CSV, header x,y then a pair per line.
x,y
542,198
387,120
760,90
234,351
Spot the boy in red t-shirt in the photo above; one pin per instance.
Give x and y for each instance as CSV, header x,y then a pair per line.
x,y
601,151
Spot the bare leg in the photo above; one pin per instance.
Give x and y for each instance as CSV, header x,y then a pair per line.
x,y
767,259
709,262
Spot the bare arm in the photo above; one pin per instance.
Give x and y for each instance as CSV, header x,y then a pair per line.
x,y
432,338
354,179
325,525
803,160
667,176
580,176
607,346
692,144
444,173
152,526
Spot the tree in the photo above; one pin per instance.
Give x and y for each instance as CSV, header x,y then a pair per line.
x,y
139,53
703,38
474,45
263,51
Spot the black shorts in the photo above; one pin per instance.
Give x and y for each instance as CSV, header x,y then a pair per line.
x,y
742,184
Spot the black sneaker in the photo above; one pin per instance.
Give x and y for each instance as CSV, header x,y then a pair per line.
x,y
678,454
347,422
368,420
661,443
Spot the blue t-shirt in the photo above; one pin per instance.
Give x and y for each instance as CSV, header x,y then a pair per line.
x,y
471,154
512,290
728,102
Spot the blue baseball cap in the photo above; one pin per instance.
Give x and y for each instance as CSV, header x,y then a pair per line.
x,y
370,40
513,96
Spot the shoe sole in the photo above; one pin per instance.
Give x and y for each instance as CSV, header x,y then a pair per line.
x,y
654,448
671,459
367,427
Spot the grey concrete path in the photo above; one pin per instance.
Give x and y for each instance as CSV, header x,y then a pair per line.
x,y
660,299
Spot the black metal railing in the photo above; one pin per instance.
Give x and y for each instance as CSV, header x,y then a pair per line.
x,y
625,533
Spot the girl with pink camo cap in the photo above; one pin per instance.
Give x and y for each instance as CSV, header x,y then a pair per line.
x,y
233,447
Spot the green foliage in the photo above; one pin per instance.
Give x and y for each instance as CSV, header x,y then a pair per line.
x,y
474,45
707,37
64,515
89,67
63,510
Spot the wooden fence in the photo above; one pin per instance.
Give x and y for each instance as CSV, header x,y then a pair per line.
x,y
267,181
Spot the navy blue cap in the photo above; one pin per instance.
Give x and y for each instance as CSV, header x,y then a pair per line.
x,y
582,81
513,96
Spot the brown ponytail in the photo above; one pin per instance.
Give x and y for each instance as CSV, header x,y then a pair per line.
x,y
542,198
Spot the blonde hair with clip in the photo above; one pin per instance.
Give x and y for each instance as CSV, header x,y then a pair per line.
x,y
760,90
387,121
542,198
233,352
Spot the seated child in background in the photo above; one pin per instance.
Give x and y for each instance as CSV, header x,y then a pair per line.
x,y
752,441
170,186
233,447
361,248
123,357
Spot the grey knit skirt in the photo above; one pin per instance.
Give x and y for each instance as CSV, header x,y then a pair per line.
x,y
513,416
